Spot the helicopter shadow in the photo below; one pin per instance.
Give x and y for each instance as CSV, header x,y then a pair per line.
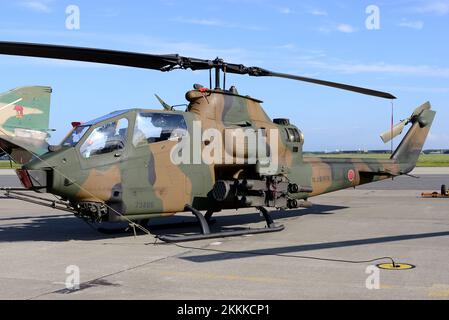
x,y
52,228
29,217
237,221
290,250
65,227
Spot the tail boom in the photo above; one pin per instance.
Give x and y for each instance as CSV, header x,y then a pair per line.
x,y
326,175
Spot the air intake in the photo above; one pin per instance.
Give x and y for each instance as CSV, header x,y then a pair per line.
x,y
282,122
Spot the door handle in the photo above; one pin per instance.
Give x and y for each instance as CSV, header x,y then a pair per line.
x,y
117,155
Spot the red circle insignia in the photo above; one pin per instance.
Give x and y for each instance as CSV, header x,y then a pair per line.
x,y
351,175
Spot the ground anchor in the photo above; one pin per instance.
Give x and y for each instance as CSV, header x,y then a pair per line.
x,y
395,266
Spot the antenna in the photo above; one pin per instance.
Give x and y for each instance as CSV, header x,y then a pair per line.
x,y
224,77
392,126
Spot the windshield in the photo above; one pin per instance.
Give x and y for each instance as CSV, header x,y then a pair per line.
x,y
157,127
106,117
75,136
106,138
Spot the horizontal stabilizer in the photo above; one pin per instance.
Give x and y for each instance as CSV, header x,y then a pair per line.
x,y
22,151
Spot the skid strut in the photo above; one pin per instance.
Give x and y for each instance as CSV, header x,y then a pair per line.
x,y
207,234
11,193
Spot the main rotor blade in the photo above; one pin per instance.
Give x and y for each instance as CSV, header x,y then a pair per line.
x,y
342,86
121,58
161,63
258,72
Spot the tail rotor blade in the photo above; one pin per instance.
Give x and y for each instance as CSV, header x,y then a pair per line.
x,y
397,130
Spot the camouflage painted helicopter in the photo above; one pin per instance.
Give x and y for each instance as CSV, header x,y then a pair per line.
x,y
120,167
24,121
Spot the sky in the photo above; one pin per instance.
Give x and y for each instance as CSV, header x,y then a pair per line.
x,y
403,52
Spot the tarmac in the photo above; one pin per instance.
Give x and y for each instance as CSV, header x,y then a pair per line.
x,y
40,248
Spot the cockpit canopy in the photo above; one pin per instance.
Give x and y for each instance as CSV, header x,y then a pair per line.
x,y
79,131
111,132
156,127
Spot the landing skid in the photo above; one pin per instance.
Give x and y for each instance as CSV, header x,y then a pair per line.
x,y
207,234
204,221
130,230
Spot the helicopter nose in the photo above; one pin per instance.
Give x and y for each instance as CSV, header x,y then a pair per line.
x,y
33,179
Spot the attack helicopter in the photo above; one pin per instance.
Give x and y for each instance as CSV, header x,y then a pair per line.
x,y
130,165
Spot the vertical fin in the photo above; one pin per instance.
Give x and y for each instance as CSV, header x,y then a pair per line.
x,y
410,148
25,108
24,121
